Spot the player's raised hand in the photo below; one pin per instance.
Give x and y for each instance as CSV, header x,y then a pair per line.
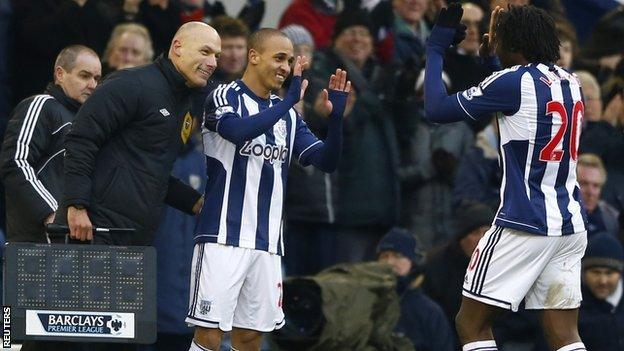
x,y
489,41
333,101
450,16
301,63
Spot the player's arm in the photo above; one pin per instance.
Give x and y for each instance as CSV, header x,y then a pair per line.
x,y
500,92
325,155
182,196
221,116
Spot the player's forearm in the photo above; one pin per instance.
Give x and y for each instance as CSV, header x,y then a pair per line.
x,y
237,130
439,106
327,156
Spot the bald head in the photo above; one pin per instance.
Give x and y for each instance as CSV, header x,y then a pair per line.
x,y
259,39
194,51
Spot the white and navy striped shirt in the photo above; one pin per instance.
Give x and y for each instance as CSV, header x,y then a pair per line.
x,y
540,125
246,183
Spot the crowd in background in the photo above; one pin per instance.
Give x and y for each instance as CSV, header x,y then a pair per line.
x,y
439,182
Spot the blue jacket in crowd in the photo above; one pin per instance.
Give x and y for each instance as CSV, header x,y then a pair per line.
x,y
174,244
601,326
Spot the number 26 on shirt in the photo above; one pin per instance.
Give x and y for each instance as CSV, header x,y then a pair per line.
x,y
550,152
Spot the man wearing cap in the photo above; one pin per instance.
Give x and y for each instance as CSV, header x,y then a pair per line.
x,y
601,316
422,320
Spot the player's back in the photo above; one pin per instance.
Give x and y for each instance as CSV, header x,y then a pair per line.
x,y
539,151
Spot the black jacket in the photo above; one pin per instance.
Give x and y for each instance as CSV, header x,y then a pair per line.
x,y
32,161
121,149
601,326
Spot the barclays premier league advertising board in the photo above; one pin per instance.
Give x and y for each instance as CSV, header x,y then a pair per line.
x,y
75,323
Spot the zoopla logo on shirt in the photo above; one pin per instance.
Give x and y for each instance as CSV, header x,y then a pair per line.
x,y
270,153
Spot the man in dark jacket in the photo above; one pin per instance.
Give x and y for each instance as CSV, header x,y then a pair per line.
x,y
125,139
601,316
31,162
422,320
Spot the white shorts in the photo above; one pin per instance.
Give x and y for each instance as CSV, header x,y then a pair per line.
x,y
509,265
235,287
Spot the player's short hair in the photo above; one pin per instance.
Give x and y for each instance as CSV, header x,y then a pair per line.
x,y
229,27
258,38
529,31
67,57
592,161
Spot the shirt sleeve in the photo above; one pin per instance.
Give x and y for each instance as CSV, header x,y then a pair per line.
x,y
305,142
219,103
500,92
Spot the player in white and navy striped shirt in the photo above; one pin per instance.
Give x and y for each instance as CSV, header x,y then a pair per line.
x,y
533,250
250,138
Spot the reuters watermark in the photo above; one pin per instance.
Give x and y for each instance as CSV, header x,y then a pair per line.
x,y
6,327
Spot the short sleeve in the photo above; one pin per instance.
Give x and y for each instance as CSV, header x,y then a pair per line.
x,y
221,101
305,142
500,92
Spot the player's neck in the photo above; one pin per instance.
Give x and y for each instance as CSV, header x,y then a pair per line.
x,y
254,84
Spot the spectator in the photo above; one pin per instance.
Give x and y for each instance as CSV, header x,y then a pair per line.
x,y
410,30
368,166
593,101
125,139
586,14
32,151
422,320
42,28
129,46
568,49
317,16
601,216
301,39
174,244
601,316
233,59
479,175
446,265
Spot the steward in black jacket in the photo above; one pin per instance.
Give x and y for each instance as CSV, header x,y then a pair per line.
x,y
126,137
32,161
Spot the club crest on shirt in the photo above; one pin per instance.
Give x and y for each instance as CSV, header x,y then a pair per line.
x,y
280,129
187,126
204,306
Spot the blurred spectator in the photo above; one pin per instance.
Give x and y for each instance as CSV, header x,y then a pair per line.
x,y
462,63
367,168
317,16
410,30
422,320
200,10
162,19
601,216
601,315
129,46
233,59
42,28
479,176
32,151
569,44
428,168
446,265
301,39
593,100
585,14
604,50
613,93
174,245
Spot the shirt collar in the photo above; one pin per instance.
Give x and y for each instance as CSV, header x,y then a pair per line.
x,y
57,92
614,299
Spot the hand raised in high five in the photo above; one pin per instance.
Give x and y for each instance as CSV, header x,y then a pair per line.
x,y
334,101
489,41
297,88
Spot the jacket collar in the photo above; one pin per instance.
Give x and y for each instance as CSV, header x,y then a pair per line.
x,y
57,92
177,81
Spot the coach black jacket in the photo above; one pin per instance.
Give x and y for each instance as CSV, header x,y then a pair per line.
x,y
121,149
32,161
